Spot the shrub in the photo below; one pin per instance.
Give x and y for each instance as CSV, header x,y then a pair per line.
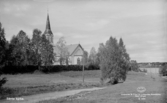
x,y
19,69
2,82
163,70
45,69
134,66
145,70
60,68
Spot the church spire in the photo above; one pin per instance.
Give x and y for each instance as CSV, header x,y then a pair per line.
x,y
48,33
48,29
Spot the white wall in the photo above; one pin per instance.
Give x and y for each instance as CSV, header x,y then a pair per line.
x,y
75,59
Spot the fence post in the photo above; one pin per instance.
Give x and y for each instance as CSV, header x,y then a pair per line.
x,y
83,76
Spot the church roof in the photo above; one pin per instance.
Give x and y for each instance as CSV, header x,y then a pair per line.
x,y
71,48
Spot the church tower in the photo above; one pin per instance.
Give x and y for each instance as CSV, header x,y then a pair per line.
x,y
48,33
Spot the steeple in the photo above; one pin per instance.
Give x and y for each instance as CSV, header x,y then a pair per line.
x,y
48,33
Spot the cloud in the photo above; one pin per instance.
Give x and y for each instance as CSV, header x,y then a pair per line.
x,y
16,9
97,25
146,46
38,22
149,56
59,34
44,0
91,23
79,36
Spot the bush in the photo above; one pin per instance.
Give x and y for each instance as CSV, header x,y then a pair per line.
x,y
18,69
134,66
46,69
60,68
163,70
2,82
145,71
113,81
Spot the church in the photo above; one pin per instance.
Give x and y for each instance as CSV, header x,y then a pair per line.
x,y
75,50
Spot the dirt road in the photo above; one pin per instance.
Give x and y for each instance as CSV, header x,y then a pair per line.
x,y
45,96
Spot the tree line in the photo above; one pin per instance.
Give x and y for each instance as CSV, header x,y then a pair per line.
x,y
112,57
23,51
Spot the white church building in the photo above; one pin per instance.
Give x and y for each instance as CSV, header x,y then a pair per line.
x,y
75,50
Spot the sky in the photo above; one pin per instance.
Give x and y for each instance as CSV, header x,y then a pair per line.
x,y
140,23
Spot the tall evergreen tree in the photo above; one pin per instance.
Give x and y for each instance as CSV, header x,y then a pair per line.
x,y
36,45
47,52
14,51
24,46
123,49
125,55
3,46
112,63
3,54
19,47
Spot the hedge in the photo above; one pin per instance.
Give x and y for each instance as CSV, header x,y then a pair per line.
x,y
163,70
45,69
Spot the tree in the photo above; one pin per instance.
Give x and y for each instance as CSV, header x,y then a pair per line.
x,y
46,52
14,51
93,59
64,54
92,56
36,47
19,47
125,56
3,47
123,49
134,65
24,46
163,69
112,62
3,54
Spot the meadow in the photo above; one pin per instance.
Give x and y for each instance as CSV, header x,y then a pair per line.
x,y
124,92
36,83
39,83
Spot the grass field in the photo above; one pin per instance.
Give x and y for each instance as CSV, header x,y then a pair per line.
x,y
29,84
113,94
40,79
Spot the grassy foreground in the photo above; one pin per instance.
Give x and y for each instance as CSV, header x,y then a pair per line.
x,y
36,83
114,94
